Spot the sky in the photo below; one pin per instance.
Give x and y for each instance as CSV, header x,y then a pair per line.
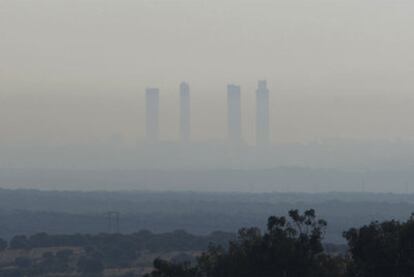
x,y
75,71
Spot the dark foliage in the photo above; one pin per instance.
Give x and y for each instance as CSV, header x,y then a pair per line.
x,y
3,244
90,267
144,240
382,249
23,262
165,268
19,242
100,251
291,247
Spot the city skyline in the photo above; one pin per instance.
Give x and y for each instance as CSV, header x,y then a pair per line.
x,y
185,112
152,114
262,113
340,70
234,112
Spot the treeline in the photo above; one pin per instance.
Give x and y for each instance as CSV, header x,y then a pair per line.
x,y
292,247
98,252
178,240
31,211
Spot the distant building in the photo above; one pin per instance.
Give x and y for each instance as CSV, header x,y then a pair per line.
x,y
185,112
152,114
234,113
262,113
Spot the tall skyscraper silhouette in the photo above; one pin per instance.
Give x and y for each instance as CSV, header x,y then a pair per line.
x,y
185,111
234,113
262,113
152,114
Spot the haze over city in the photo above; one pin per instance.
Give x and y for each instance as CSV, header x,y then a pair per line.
x,y
76,71
74,76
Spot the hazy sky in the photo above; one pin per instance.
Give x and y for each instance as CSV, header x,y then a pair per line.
x,y
74,71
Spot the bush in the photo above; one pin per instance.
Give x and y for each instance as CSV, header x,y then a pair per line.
x,y
88,266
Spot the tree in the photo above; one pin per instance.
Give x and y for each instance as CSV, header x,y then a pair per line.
x,y
382,249
19,242
64,255
290,247
23,262
167,269
3,245
88,266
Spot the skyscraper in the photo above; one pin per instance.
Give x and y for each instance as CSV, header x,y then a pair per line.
x,y
234,113
262,113
152,111
185,110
